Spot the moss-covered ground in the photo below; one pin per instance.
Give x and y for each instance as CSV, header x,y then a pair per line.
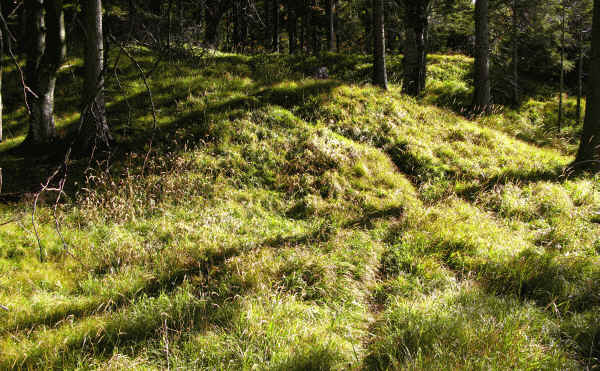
x,y
284,222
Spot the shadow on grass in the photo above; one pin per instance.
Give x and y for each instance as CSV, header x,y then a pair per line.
x,y
569,283
197,269
421,170
567,287
25,169
198,298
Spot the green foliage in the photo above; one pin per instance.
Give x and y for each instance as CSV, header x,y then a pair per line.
x,y
284,222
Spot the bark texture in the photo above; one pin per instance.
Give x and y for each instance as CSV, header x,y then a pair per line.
x,y
482,94
275,26
331,42
45,54
1,97
515,46
588,156
215,9
379,70
415,52
292,25
95,129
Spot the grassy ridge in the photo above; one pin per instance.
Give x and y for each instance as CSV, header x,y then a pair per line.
x,y
291,223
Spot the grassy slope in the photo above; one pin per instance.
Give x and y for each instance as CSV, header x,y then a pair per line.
x,y
291,223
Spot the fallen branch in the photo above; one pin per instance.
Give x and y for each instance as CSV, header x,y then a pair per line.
x,y
8,222
145,79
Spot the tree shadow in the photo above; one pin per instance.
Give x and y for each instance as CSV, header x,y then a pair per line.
x,y
25,168
217,288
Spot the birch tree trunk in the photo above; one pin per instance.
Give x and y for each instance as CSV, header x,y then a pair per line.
x,y
331,24
95,127
45,54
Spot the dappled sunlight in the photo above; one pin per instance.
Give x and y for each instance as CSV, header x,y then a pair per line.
x,y
299,223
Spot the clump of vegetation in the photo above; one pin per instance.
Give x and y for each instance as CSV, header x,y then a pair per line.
x,y
286,222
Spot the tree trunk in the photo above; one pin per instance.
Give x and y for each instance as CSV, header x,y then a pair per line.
x,y
237,26
580,78
415,55
302,26
368,21
215,11
562,68
292,25
379,70
275,44
169,22
588,156
482,94
331,25
156,7
267,22
45,55
131,15
1,70
95,127
515,46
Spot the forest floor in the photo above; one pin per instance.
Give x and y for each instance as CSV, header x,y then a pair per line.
x,y
283,222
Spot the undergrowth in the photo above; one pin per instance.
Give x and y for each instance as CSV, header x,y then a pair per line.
x,y
283,222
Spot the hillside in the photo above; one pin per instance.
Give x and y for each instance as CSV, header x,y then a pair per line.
x,y
285,222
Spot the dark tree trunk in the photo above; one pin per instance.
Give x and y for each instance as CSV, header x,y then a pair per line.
x,y
379,70
415,55
95,127
156,6
1,97
316,36
331,25
237,25
267,22
515,46
211,33
588,156
562,67
214,13
169,24
240,26
368,22
45,55
580,78
302,26
200,17
292,25
131,16
275,34
482,94
310,21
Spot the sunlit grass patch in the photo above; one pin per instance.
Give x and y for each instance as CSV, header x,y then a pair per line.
x,y
465,328
285,222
